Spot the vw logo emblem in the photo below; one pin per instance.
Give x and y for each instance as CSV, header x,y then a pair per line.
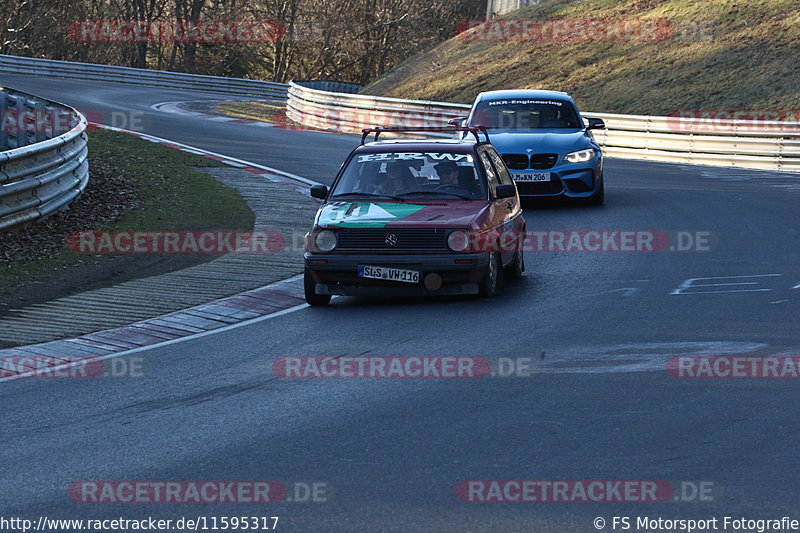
x,y
391,239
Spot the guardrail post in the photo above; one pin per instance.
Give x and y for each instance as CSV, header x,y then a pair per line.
x,y
3,117
37,109
19,107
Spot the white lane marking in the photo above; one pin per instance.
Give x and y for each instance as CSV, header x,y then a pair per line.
x,y
688,285
227,158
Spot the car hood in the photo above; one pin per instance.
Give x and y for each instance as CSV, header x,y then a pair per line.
x,y
442,214
546,141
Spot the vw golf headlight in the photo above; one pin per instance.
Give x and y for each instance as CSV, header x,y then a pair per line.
x,y
325,240
458,241
581,156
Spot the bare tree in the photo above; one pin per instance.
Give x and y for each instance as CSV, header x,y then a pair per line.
x,y
348,40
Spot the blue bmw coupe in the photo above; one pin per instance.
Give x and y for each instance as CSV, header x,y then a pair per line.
x,y
544,142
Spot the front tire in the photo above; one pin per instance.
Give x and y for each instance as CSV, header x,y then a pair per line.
x,y
491,278
517,267
312,298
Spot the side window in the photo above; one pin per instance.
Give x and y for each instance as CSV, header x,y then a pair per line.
x,y
502,171
491,173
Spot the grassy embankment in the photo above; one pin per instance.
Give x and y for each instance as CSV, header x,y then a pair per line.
x,y
722,54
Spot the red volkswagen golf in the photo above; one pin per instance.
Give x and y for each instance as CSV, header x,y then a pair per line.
x,y
415,217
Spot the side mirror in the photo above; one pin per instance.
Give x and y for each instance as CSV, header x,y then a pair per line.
x,y
457,121
319,191
505,191
595,123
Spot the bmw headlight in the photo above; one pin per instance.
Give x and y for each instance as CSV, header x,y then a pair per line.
x,y
325,240
581,156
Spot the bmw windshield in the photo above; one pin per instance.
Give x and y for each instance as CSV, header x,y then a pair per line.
x,y
525,114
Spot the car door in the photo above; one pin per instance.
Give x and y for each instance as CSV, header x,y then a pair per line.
x,y
506,213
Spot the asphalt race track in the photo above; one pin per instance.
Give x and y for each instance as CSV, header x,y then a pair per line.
x,y
595,328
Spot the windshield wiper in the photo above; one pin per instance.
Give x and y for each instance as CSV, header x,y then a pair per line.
x,y
448,193
370,194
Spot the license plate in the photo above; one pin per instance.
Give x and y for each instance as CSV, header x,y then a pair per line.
x,y
389,274
532,176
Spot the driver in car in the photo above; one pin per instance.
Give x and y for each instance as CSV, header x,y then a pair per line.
x,y
447,172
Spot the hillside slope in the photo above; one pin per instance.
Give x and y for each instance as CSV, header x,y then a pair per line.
x,y
711,54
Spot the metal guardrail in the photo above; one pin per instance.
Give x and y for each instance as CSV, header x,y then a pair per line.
x,y
735,143
765,145
41,169
142,77
350,113
331,86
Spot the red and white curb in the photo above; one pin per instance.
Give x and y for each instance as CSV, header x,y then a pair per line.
x,y
240,309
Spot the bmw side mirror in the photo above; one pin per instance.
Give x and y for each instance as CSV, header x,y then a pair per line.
x,y
505,191
595,123
456,121
319,191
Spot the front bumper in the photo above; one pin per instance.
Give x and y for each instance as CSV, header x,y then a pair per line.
x,y
338,273
572,183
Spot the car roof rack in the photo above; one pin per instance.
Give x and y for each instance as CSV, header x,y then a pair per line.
x,y
474,130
